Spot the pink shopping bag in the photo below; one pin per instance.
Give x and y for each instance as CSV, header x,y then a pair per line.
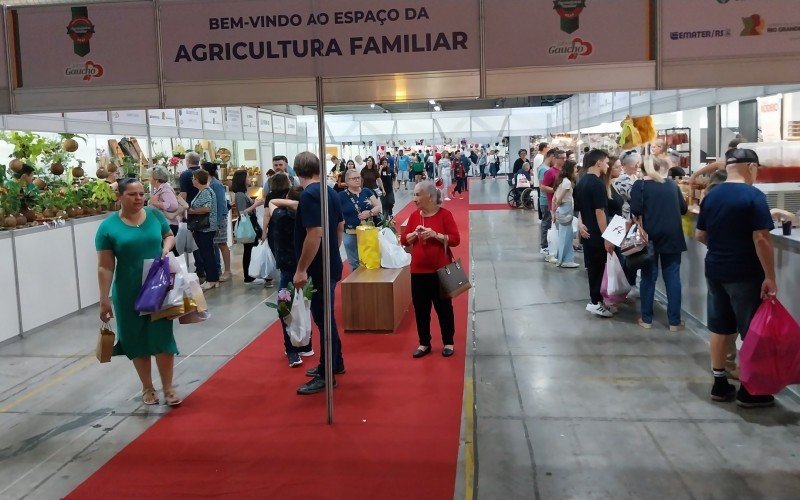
x,y
770,355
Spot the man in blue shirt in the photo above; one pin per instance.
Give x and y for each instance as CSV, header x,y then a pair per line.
x,y
308,248
734,224
402,169
188,191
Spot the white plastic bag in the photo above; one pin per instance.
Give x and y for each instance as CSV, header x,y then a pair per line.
x,y
617,281
392,254
298,323
552,241
262,262
184,241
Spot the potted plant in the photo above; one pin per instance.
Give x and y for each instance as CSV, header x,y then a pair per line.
x,y
29,200
129,167
58,159
27,147
69,143
102,194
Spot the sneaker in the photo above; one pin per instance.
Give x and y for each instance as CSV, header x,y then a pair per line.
x,y
294,359
579,249
599,310
569,265
446,198
314,372
723,390
225,277
317,384
269,282
677,328
306,354
612,308
544,251
746,400
255,283
551,259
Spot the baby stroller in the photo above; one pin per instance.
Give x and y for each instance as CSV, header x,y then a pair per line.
x,y
521,195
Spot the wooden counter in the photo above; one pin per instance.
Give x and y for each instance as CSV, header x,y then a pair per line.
x,y
375,299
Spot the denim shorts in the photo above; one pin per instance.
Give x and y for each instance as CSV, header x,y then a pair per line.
x,y
731,306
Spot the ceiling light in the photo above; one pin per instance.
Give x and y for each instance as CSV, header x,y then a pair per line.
x,y
437,108
431,102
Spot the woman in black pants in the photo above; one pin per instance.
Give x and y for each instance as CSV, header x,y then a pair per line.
x,y
427,231
246,208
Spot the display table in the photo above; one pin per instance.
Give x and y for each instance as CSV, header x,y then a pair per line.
x,y
375,299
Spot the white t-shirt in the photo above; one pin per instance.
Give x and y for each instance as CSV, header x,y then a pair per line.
x,y
537,161
444,166
566,187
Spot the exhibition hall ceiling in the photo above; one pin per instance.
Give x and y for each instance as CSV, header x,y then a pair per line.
x,y
456,105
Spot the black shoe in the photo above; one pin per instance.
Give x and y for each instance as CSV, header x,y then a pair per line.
x,y
421,352
723,390
746,400
447,352
317,384
314,372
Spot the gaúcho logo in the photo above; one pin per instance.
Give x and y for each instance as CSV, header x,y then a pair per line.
x,y
753,25
85,71
574,49
569,11
80,29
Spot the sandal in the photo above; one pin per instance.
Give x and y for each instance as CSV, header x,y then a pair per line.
x,y
149,396
171,398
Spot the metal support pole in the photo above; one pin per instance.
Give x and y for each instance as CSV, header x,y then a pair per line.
x,y
326,254
482,32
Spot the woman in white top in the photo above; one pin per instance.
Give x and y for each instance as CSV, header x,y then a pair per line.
x,y
445,172
564,206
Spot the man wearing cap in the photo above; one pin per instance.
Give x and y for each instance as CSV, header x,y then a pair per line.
x,y
734,224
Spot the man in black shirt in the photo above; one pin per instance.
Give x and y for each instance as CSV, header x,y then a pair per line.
x,y
523,153
308,248
591,202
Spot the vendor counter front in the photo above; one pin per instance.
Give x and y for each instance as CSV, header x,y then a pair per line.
x,y
693,281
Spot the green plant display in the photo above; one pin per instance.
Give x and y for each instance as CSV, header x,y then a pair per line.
x,y
102,193
27,145
130,167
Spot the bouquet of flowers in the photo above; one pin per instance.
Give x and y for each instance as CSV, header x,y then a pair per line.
x,y
285,298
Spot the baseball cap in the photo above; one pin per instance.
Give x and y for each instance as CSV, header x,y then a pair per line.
x,y
741,156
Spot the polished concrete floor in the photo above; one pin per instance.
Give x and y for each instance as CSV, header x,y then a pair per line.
x,y
573,406
565,405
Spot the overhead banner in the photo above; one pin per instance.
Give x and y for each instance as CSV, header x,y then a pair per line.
x,y
249,39
566,32
85,46
729,28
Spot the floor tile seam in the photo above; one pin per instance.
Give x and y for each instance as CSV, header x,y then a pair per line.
x,y
535,304
531,454
672,467
38,378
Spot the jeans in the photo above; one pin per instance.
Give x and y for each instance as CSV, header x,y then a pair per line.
x,y
318,313
595,259
351,248
671,271
565,251
387,201
482,169
206,246
447,181
424,293
732,306
547,223
285,279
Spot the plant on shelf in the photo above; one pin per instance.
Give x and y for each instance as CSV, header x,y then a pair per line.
x,y
27,147
29,200
102,194
160,159
58,160
129,167
10,204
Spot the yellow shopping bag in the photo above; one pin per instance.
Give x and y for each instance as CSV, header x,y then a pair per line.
x,y
687,223
369,250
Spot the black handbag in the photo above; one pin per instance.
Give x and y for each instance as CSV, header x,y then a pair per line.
x,y
198,222
453,281
639,252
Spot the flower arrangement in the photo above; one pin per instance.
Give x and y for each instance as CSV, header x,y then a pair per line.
x,y
285,297
173,161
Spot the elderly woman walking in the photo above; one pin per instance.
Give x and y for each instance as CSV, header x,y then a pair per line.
x,y
429,232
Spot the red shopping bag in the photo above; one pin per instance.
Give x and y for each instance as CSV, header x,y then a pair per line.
x,y
770,355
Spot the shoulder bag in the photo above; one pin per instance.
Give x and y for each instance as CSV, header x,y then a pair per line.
x,y
453,281
637,248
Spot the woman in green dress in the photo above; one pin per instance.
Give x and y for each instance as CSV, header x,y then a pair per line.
x,y
123,242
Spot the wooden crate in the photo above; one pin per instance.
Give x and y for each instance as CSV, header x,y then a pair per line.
x,y
375,300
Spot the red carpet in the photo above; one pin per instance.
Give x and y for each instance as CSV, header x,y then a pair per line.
x,y
245,433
